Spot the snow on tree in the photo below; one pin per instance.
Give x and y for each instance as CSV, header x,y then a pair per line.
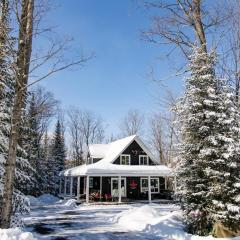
x,y
209,152
20,202
57,159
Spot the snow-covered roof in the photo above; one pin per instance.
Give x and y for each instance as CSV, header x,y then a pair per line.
x,y
110,152
98,150
108,169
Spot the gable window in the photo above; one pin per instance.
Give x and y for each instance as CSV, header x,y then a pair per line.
x,y
154,185
125,159
143,160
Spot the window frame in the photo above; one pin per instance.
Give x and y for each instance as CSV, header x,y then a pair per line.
x,y
145,189
139,160
90,182
125,155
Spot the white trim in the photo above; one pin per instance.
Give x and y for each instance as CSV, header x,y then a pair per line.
x,y
125,185
100,187
149,190
151,185
87,190
125,155
78,188
119,189
142,155
141,189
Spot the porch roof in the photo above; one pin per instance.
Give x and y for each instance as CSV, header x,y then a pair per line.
x,y
108,169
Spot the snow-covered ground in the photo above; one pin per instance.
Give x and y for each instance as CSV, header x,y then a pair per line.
x,y
65,220
15,234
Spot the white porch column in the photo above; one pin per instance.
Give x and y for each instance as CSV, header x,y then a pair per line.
x,y
65,186
119,190
165,182
71,186
100,187
87,190
78,188
60,186
149,190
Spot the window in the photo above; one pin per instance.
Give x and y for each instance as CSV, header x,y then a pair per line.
x,y
143,160
125,159
144,185
90,182
154,185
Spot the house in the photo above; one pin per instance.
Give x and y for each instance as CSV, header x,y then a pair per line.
x,y
121,170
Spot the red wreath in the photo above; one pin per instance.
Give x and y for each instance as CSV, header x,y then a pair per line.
x,y
133,184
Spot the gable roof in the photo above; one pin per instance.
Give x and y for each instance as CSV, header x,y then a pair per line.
x,y
110,152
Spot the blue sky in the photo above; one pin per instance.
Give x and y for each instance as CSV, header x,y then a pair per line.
x,y
117,79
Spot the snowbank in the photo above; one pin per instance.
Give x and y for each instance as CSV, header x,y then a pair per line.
x,y
15,234
149,220
70,203
136,219
43,200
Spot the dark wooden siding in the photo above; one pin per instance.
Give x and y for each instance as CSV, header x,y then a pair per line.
x,y
106,185
96,160
134,150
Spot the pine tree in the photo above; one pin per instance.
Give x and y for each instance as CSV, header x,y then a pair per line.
x,y
7,91
209,148
32,147
57,159
5,86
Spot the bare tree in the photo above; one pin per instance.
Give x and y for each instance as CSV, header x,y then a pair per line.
x,y
92,127
230,62
132,123
76,134
164,130
182,23
46,107
85,127
157,137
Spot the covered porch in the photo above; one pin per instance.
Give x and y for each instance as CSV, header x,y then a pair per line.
x,y
117,183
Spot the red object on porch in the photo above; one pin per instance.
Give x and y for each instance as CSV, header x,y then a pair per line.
x,y
133,184
108,196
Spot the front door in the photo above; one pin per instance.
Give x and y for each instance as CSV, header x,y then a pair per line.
x,y
114,187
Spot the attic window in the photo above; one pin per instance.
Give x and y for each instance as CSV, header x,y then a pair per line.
x,y
125,159
143,160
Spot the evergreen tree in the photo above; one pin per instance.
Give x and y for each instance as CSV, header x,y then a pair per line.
x,y
5,88
30,143
209,165
57,159
7,91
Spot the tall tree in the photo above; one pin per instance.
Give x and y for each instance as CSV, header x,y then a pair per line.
x,y
92,127
77,137
209,166
6,89
157,137
132,123
22,68
57,158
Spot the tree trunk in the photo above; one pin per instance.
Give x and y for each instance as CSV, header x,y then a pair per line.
x,y
198,25
23,60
